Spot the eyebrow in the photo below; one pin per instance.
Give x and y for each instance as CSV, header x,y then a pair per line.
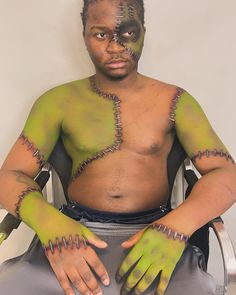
x,y
100,28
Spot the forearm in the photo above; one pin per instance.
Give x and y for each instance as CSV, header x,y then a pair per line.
x,y
16,189
13,184
212,195
34,210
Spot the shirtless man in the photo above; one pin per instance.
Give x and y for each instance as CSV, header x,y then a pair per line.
x,y
118,127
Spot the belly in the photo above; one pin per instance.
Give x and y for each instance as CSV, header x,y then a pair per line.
x,y
122,182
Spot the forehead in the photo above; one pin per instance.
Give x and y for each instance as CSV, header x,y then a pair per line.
x,y
107,12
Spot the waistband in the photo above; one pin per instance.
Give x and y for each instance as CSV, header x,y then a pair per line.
x,y
82,213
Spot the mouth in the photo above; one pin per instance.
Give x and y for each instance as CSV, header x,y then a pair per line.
x,y
116,63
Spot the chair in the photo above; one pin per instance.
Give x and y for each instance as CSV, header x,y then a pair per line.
x,y
60,162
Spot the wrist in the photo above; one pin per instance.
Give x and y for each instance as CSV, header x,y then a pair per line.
x,y
169,232
178,221
35,211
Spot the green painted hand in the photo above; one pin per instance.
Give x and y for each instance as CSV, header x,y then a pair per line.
x,y
68,246
153,252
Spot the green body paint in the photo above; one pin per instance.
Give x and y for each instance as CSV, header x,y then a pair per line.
x,y
90,128
157,251
88,121
193,128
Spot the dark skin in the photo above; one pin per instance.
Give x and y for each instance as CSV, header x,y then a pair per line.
x,y
131,179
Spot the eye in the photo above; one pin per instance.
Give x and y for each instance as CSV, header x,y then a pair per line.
x,y
101,35
128,34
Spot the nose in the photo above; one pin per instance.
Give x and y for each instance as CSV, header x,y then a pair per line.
x,y
115,47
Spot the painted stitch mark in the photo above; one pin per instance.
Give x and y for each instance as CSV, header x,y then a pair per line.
x,y
21,198
35,152
118,127
215,153
174,102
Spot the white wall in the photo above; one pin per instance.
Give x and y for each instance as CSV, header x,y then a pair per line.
x,y
189,43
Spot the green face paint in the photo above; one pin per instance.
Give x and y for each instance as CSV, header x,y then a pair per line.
x,y
129,29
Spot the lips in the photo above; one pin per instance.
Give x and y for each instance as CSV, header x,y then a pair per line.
x,y
117,63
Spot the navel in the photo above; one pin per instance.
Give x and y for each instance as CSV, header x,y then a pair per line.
x,y
116,197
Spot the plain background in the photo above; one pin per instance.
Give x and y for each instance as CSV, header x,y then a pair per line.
x,y
188,43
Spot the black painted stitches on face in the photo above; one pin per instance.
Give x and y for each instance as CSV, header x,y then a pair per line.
x,y
114,36
129,31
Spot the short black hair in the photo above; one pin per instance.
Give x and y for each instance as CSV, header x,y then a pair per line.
x,y
138,3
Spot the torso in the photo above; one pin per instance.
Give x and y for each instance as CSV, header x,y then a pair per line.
x,y
133,176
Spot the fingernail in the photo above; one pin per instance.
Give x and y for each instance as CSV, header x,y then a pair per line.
x,y
106,282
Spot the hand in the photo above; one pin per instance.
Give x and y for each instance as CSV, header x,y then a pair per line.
x,y
153,252
71,258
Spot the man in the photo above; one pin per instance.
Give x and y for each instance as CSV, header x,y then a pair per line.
x,y
118,127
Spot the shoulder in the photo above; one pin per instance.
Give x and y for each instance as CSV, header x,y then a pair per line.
x,y
178,102
62,94
164,90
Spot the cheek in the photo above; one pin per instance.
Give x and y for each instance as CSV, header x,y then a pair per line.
x,y
136,47
96,51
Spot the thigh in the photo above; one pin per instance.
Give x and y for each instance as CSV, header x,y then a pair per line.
x,y
32,274
189,278
29,273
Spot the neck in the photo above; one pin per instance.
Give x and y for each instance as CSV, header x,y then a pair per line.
x,y
113,85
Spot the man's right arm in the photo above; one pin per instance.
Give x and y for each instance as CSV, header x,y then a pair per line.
x,y
30,151
61,236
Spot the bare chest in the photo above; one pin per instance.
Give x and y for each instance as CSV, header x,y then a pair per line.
x,y
106,124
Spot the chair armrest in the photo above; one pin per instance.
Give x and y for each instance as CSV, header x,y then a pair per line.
x,y
228,254
7,225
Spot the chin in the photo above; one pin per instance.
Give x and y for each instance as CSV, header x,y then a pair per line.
x,y
116,75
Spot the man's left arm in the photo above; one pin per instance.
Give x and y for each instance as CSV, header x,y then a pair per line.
x,y
159,246
215,192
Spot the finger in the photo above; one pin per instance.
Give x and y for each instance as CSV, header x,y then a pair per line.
x,y
133,256
147,279
77,281
93,239
89,278
98,267
135,276
63,280
133,239
164,281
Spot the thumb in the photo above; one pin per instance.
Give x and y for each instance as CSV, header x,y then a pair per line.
x,y
133,240
94,239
